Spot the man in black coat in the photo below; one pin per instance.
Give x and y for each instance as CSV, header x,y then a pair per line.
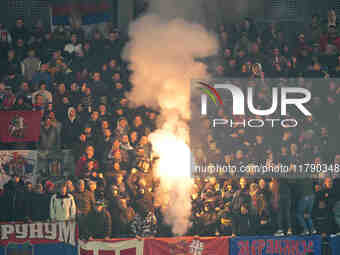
x,y
13,209
24,202
40,202
241,203
98,223
99,89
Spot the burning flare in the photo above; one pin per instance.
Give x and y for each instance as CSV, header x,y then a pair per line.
x,y
163,52
173,169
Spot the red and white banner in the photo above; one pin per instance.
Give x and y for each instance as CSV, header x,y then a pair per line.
x,y
38,232
111,247
187,246
19,126
38,238
157,246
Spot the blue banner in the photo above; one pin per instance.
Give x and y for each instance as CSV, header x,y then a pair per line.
x,y
334,243
269,245
38,249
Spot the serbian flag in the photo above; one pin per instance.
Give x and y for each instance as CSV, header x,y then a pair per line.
x,y
19,126
187,246
88,11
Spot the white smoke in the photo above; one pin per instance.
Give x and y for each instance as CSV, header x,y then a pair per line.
x,y
162,53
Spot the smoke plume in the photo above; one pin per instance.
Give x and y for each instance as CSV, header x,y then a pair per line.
x,y
162,53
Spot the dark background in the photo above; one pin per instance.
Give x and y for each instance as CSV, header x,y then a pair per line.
x,y
216,11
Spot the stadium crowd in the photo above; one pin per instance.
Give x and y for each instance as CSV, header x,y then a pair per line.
x,y
78,83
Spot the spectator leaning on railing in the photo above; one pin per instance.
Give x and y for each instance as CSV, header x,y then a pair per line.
x,y
62,205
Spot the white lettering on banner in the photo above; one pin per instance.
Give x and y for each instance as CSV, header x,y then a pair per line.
x,y
64,231
21,231
36,230
117,247
50,231
6,230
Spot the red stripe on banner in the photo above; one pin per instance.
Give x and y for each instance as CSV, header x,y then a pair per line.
x,y
108,253
102,247
84,8
187,245
129,252
20,126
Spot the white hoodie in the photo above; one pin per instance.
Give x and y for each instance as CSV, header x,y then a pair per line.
x,y
62,209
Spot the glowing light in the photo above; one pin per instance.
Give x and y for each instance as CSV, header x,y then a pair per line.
x,y
174,156
173,170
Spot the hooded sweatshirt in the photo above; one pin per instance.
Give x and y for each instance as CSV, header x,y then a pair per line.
x,y
62,207
29,66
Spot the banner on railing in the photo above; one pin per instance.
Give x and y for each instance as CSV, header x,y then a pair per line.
x,y
38,238
55,238
39,232
187,246
335,245
111,247
268,245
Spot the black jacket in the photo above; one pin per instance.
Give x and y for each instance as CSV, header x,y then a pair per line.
x,y
98,224
40,206
16,204
241,197
70,132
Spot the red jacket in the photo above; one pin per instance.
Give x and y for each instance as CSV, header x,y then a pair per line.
x,y
324,43
82,166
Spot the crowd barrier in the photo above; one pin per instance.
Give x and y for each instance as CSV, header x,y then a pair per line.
x,y
55,238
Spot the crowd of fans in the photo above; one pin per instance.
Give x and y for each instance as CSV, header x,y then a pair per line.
x,y
78,83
